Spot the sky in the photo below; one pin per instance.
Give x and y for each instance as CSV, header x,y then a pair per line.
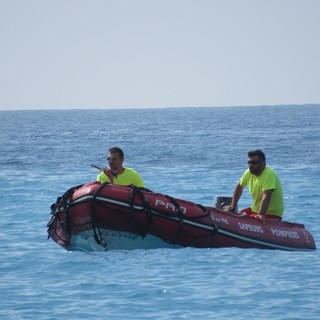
x,y
65,54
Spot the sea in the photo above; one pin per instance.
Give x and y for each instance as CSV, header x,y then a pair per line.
x,y
189,153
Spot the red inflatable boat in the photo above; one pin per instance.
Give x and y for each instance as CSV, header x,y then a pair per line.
x,y
95,217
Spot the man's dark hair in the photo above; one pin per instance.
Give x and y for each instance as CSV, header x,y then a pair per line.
x,y
258,153
117,150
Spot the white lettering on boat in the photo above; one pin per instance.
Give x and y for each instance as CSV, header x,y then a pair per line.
x,y
250,227
169,205
220,220
285,233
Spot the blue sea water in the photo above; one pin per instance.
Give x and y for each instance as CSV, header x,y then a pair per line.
x,y
189,153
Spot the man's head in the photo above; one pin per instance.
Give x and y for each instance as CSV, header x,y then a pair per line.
x,y
115,158
256,162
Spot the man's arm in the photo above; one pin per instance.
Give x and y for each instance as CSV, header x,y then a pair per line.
x,y
236,196
266,196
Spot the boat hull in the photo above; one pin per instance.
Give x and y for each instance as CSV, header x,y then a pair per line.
x,y
116,240
98,217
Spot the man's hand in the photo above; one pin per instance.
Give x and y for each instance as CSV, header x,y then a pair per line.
x,y
262,218
230,208
108,173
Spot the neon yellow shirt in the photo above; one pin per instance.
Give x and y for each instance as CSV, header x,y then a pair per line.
x,y
126,178
266,181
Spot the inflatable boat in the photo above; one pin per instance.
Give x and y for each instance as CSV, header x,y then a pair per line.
x,y
99,217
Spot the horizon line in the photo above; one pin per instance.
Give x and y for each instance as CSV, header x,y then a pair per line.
x,y
154,107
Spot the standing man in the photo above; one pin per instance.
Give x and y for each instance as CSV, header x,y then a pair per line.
x,y
264,186
118,174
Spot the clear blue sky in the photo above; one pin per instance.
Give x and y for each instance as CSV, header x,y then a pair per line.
x,y
158,53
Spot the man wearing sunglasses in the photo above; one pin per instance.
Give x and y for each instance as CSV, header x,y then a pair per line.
x,y
116,173
264,186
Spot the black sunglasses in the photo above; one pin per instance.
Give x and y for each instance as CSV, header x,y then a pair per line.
x,y
253,161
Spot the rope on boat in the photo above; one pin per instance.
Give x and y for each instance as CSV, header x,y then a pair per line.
x,y
180,216
61,206
151,212
146,204
96,231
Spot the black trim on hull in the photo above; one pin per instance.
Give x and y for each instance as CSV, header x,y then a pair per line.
x,y
260,243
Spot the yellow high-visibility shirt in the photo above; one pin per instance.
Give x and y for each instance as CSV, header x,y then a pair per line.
x,y
268,180
126,178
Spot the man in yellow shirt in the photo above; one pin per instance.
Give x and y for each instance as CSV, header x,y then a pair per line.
x,y
264,186
118,174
